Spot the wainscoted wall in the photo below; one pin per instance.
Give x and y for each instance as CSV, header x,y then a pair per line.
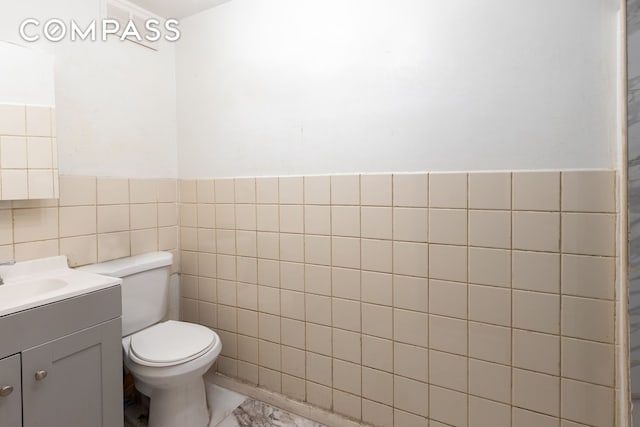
x,y
479,299
28,152
96,219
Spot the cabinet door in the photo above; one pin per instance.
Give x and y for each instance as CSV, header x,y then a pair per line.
x,y
10,392
75,380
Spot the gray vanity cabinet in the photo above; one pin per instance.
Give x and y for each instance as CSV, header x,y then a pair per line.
x,y
74,380
10,392
64,361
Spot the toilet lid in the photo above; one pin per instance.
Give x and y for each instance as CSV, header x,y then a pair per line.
x,y
170,343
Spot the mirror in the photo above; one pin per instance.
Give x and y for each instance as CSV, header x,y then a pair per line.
x,y
28,149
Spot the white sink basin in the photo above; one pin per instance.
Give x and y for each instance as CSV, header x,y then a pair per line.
x,y
30,289
33,283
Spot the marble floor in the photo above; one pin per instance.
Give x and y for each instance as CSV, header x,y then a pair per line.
x,y
230,409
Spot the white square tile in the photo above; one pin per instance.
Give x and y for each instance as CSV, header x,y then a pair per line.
x,y
41,184
224,190
448,406
345,283
345,252
317,190
376,190
377,288
38,121
291,219
411,259
448,226
448,370
245,189
536,271
588,361
589,234
14,184
490,380
345,221
536,191
489,342
490,305
589,191
536,311
291,190
490,190
39,153
587,318
13,120
490,229
410,224
537,392
587,403
448,190
345,189
376,222
267,190
536,352
483,412
588,276
411,190
447,262
13,152
536,231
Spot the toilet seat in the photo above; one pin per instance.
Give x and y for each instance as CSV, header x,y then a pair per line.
x,y
170,343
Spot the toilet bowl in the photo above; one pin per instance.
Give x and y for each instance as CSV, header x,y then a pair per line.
x,y
166,358
167,361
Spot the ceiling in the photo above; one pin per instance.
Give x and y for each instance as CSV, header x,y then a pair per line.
x,y
177,8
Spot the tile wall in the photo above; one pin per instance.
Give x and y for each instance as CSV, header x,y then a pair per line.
x,y
481,299
96,219
440,299
28,152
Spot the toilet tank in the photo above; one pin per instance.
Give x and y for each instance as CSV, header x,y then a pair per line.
x,y
145,287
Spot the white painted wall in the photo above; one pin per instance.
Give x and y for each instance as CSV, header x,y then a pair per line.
x,y
115,101
27,76
323,86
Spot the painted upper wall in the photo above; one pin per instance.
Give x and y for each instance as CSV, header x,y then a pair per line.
x,y
310,86
115,101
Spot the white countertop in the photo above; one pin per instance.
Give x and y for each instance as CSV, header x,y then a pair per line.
x,y
30,284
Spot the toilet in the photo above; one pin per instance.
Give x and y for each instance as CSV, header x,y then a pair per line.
x,y
167,358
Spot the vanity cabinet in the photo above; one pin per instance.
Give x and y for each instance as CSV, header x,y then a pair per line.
x,y
67,370
10,391
69,381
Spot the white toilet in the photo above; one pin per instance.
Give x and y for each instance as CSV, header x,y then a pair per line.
x,y
166,358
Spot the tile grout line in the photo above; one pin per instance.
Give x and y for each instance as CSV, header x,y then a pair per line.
x,y
360,301
560,296
235,251
393,303
468,364
511,314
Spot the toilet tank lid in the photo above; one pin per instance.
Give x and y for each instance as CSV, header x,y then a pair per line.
x,y
131,265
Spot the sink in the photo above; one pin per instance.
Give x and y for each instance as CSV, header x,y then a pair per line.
x,y
33,283
30,289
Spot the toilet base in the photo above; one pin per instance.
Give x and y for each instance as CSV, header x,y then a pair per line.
x,y
182,406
